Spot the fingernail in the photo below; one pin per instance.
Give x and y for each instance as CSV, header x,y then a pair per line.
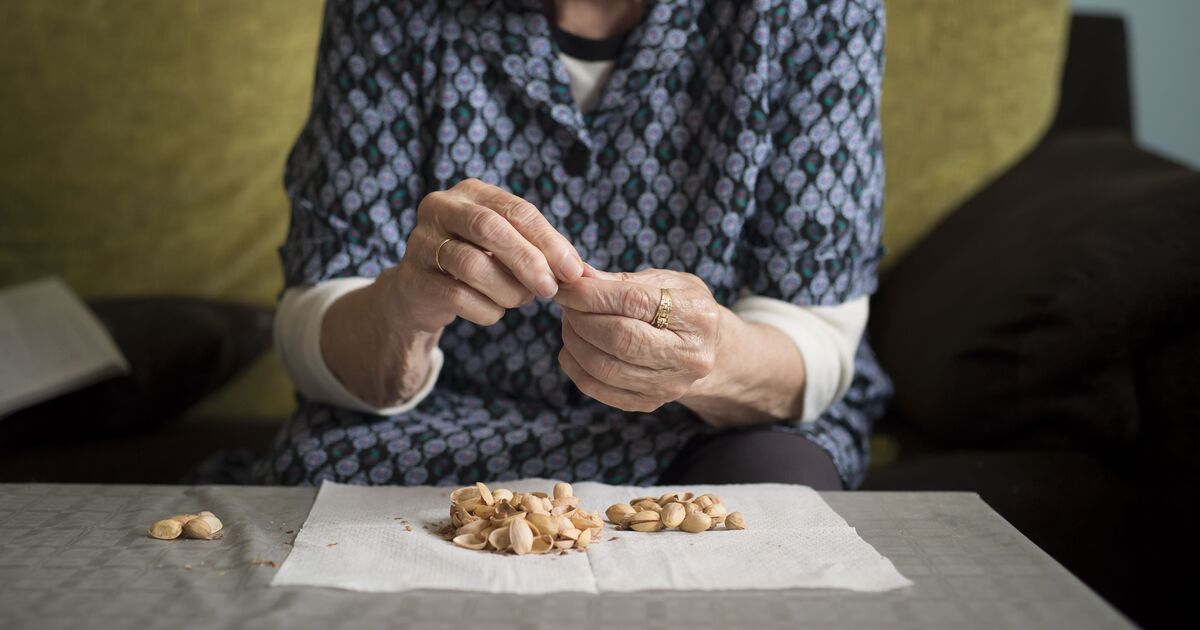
x,y
546,286
570,267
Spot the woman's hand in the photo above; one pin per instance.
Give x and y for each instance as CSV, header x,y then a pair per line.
x,y
613,353
500,253
728,371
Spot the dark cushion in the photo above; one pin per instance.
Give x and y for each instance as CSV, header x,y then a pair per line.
x,y
179,351
1029,307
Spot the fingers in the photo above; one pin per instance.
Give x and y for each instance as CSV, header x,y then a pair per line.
x,y
483,273
605,367
487,230
532,224
613,396
627,299
631,341
452,296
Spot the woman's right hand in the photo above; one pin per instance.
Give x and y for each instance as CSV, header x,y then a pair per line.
x,y
497,250
378,340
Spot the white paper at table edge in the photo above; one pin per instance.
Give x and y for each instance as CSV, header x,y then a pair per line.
x,y
539,482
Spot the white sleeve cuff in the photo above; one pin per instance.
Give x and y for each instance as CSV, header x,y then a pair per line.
x,y
827,337
298,342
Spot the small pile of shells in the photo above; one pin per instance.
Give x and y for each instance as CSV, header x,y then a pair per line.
x,y
521,523
202,526
674,510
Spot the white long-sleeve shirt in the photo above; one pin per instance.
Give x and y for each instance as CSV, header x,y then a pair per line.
x,y
826,336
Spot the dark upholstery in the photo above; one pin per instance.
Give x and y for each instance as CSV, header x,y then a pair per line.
x,y
1045,345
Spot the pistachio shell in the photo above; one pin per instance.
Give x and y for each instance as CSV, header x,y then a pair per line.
x,y
463,493
544,523
735,520
502,494
563,490
541,495
585,539
470,541
639,500
696,522
564,523
642,506
704,501
472,528
672,515
570,533
471,503
166,529
547,505
485,493
183,518
564,544
499,539
531,503
521,535
669,497
542,544
565,502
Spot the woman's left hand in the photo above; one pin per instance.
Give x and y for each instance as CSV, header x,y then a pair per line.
x,y
615,355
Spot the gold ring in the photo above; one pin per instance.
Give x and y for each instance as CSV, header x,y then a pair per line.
x,y
437,256
662,317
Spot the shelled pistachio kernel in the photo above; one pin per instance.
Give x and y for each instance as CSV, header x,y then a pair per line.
x,y
735,520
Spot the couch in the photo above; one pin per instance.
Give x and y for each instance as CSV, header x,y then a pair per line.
x,y
1037,310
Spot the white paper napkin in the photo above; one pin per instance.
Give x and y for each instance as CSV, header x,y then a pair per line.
x,y
383,539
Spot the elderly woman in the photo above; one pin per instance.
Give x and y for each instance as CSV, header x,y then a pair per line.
x,y
612,240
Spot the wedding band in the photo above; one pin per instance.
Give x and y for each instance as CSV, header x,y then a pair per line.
x,y
437,256
663,316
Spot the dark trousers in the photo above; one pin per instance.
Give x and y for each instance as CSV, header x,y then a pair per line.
x,y
755,455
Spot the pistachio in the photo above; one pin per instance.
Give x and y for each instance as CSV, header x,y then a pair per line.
x,y
735,520
203,527
502,494
563,490
585,539
716,511
618,513
183,518
521,522
704,501
696,522
648,521
672,515
166,529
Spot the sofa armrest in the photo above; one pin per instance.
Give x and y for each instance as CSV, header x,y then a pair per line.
x,y
1026,310
1095,81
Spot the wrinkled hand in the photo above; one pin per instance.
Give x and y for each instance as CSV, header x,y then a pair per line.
x,y
502,252
613,353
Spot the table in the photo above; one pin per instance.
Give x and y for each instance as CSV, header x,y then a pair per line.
x,y
76,556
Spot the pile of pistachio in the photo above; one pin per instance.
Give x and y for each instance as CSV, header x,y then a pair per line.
x,y
202,526
522,523
674,510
